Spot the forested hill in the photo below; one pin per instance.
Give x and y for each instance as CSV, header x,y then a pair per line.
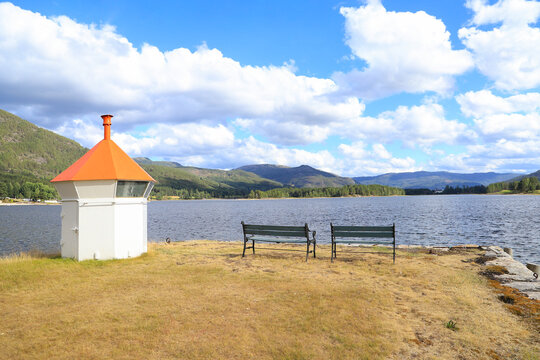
x,y
30,150
433,180
529,183
193,183
301,176
31,156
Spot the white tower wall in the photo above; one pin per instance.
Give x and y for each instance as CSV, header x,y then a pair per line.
x,y
98,225
69,243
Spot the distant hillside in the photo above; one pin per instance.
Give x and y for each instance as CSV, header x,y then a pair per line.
x,y
301,176
191,182
433,180
30,155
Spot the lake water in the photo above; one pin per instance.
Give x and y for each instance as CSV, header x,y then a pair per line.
x,y
507,221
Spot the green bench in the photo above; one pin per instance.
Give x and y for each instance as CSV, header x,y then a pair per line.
x,y
279,234
378,235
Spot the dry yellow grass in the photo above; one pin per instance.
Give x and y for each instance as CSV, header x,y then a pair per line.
x,y
202,300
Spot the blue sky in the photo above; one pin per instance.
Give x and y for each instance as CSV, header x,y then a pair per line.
x,y
352,87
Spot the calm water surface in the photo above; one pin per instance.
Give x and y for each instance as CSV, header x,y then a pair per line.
x,y
509,221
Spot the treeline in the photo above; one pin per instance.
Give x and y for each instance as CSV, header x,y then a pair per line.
x,y
27,190
159,193
449,190
525,185
343,191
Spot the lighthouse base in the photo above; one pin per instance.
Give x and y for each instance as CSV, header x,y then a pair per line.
x,y
102,229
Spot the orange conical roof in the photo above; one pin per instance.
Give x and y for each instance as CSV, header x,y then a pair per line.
x,y
105,161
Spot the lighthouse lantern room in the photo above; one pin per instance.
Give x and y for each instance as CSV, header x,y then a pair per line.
x,y
104,197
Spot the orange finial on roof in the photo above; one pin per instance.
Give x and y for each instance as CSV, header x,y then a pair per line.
x,y
105,161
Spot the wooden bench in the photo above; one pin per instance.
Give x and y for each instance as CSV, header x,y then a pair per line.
x,y
279,234
357,234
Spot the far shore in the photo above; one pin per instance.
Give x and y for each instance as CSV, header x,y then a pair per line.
x,y
59,202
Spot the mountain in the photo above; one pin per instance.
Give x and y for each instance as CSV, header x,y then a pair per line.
x,y
301,176
175,179
433,180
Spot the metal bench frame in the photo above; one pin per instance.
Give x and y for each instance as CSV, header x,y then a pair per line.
x,y
279,234
354,234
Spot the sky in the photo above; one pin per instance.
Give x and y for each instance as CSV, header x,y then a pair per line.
x,y
357,88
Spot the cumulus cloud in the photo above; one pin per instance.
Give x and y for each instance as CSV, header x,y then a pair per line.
x,y
508,131
422,125
359,160
162,140
503,118
55,69
508,54
404,52
500,156
484,102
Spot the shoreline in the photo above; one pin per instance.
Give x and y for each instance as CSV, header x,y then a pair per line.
x,y
279,198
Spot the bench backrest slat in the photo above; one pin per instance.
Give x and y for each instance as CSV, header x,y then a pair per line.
x,y
361,234
301,233
363,228
273,227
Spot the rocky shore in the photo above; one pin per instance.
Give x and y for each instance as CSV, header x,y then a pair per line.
x,y
516,276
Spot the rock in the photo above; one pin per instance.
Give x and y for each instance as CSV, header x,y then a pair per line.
x,y
516,270
534,268
525,286
519,277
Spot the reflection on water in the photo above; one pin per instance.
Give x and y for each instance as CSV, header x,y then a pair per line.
x,y
426,220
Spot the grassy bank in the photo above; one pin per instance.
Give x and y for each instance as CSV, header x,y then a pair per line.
x,y
201,300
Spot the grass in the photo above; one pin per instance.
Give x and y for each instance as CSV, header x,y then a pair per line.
x,y
202,300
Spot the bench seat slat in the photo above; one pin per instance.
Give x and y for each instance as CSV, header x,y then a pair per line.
x,y
363,228
249,228
277,233
352,234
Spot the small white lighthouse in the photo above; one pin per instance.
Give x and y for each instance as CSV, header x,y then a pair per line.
x,y
104,196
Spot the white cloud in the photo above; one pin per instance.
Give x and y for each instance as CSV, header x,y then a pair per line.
x,y
54,69
360,161
508,55
512,12
404,52
423,125
162,140
503,118
484,102
500,156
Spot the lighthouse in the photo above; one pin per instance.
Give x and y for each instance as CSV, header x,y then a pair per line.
x,y
104,203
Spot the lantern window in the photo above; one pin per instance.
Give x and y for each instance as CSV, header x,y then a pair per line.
x,y
131,188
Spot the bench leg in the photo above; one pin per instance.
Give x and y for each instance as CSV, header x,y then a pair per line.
x,y
253,245
307,252
244,252
314,247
